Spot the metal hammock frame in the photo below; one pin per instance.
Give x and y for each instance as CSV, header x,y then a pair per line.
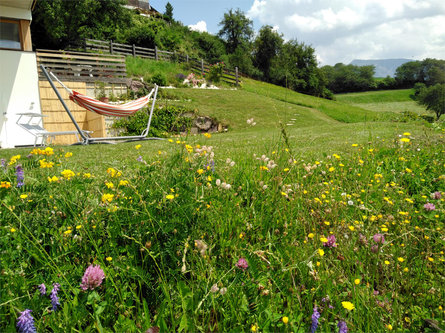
x,y
86,138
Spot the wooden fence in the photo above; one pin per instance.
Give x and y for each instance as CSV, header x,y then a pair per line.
x,y
82,66
198,65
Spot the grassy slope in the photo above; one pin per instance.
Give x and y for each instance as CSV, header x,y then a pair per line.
x,y
383,101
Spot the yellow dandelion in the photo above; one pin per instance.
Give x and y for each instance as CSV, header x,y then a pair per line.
x,y
108,258
12,230
285,320
348,306
357,281
321,252
170,196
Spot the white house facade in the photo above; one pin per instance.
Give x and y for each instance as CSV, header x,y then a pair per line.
x,y
19,85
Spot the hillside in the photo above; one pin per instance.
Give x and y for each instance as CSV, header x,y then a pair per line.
x,y
383,67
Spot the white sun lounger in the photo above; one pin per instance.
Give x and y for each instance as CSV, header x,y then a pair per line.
x,y
32,123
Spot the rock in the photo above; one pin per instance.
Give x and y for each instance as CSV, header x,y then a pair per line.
x,y
136,85
203,123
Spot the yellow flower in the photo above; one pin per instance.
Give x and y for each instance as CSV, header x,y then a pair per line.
x,y
389,327
354,145
108,258
78,227
68,154
68,232
5,185
357,281
14,159
23,196
407,133
323,239
430,259
200,171
109,185
113,172
264,168
400,259
405,140
68,174
311,235
87,175
254,328
285,320
53,179
331,169
348,306
387,262
406,269
170,196
107,197
352,228
12,230
137,147
123,183
208,135
321,252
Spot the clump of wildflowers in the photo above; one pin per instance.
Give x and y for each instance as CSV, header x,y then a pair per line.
x,y
53,296
242,264
315,317
42,289
429,207
436,195
342,327
331,241
25,323
20,175
92,278
379,238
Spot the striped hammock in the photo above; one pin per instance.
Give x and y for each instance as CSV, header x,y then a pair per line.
x,y
105,109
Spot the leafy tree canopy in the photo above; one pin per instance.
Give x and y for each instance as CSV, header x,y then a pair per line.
x,y
433,97
236,29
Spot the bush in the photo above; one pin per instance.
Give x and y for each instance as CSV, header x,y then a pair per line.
x,y
215,72
159,79
165,121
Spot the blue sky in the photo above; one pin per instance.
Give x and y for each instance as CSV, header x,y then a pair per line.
x,y
338,30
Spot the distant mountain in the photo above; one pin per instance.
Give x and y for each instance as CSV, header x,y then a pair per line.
x,y
383,67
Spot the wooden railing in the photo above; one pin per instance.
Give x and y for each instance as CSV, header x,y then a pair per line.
x,y
198,65
83,66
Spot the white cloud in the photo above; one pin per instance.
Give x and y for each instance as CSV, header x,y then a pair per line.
x,y
201,26
341,30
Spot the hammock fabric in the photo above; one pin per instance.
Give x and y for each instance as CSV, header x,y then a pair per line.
x,y
119,110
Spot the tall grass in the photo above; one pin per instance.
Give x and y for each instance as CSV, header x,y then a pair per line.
x,y
169,231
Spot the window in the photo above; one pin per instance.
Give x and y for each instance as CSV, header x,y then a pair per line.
x,y
10,35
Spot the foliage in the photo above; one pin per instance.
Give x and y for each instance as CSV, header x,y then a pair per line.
x,y
59,23
349,78
216,72
267,46
236,29
160,79
428,71
433,98
168,12
166,120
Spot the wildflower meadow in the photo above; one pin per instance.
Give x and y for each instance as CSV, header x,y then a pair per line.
x,y
192,238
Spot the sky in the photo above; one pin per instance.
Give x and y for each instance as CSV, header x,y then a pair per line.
x,y
338,30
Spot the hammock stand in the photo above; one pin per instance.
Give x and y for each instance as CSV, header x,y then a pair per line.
x,y
104,109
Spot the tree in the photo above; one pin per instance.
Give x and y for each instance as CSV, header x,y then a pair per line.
x,y
168,12
236,29
266,47
433,98
59,23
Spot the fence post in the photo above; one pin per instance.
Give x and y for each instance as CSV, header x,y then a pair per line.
x,y
111,47
134,50
236,75
156,53
187,58
202,67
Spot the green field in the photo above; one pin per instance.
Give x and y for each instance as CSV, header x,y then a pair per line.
x,y
321,207
396,101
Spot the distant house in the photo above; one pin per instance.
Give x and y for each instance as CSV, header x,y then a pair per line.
x,y
19,83
143,6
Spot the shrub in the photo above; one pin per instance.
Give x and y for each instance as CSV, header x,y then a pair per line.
x,y
159,79
165,120
215,72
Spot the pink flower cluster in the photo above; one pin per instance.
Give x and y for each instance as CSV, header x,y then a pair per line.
x,y
92,278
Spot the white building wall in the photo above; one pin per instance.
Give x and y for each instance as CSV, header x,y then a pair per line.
x,y
19,93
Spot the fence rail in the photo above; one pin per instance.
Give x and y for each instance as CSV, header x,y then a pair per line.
x,y
199,66
81,66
